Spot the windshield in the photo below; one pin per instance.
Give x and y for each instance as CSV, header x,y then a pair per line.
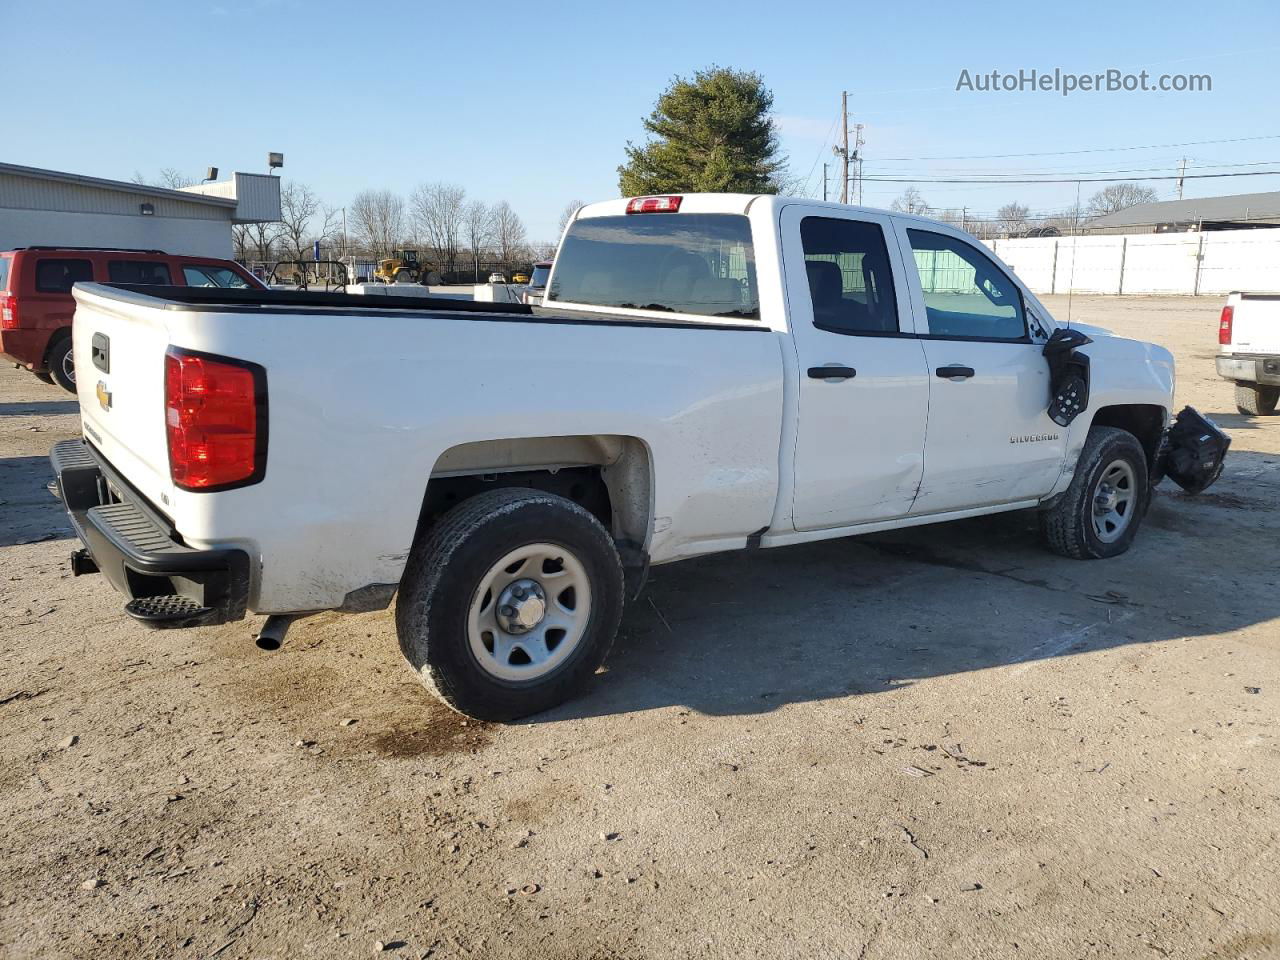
x,y
539,277
698,263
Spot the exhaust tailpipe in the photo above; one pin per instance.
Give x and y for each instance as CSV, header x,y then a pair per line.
x,y
271,636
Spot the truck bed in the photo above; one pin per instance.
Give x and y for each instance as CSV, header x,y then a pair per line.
x,y
365,400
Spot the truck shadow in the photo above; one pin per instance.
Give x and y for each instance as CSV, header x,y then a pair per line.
x,y
40,408
28,512
752,631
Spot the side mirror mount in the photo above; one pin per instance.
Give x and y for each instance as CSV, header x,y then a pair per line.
x,y
1068,375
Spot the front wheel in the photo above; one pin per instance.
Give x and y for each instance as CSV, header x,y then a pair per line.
x,y
62,365
1256,400
1099,514
510,603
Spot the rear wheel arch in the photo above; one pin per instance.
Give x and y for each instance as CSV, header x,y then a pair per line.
x,y
610,475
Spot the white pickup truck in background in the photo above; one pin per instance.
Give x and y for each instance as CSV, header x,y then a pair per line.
x,y
1249,350
708,373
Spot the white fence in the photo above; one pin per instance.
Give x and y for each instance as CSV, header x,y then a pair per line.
x,y
1187,264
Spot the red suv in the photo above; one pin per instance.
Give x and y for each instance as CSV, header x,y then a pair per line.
x,y
36,305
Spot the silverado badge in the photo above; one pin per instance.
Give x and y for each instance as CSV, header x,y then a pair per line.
x,y
104,396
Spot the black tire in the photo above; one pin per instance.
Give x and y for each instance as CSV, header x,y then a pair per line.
x,y
61,365
1067,527
446,568
1256,400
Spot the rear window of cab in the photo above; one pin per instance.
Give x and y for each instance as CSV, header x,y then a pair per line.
x,y
692,263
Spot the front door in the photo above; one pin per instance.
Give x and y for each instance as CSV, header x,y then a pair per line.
x,y
990,440
864,384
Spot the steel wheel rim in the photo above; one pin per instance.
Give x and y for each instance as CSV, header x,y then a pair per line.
x,y
1115,499
501,645
69,366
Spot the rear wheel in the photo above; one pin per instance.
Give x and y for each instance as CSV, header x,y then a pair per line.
x,y
510,603
62,366
1256,400
1099,514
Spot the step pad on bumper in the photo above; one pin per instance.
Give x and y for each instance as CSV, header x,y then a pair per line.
x,y
169,611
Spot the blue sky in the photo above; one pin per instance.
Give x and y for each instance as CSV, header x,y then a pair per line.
x,y
533,103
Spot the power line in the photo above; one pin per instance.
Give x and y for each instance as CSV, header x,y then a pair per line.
x,y
1065,153
1190,176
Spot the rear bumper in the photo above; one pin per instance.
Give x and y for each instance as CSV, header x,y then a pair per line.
x,y
25,347
1251,369
137,550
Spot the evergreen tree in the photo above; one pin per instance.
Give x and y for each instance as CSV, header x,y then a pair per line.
x,y
707,135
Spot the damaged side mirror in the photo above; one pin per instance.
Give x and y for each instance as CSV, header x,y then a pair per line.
x,y
1068,375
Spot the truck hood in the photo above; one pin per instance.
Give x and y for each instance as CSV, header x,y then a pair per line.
x,y
1090,330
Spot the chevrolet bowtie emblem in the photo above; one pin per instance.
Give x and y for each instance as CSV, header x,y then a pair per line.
x,y
104,396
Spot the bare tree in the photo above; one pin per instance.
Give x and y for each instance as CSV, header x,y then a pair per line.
x,y
240,241
298,207
477,227
169,177
378,218
1120,196
261,240
508,232
1012,218
910,201
330,226
439,212
570,211
1070,220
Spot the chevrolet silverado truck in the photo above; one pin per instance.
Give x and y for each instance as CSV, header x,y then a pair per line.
x,y
1249,350
708,373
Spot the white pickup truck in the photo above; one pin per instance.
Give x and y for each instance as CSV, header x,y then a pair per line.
x,y
1249,350
708,373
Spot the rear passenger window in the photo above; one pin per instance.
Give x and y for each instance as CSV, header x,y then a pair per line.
x,y
4,274
211,276
850,280
138,271
57,276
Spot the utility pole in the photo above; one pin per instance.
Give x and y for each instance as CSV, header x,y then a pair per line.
x,y
844,146
1182,172
857,156
964,218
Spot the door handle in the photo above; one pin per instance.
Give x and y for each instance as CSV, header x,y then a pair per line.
x,y
832,372
954,372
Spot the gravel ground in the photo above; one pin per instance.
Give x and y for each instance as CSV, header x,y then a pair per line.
x,y
942,742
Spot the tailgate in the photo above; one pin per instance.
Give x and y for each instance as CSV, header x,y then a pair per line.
x,y
1256,324
119,346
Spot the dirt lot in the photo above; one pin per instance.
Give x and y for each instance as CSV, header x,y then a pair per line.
x,y
936,743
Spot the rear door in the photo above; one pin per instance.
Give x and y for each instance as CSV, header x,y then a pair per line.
x,y
990,440
863,382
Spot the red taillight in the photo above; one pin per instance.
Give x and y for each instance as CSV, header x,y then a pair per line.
x,y
654,205
1224,325
215,416
8,312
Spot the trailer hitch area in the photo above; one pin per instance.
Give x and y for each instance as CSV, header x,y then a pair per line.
x,y
1068,375
1193,451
